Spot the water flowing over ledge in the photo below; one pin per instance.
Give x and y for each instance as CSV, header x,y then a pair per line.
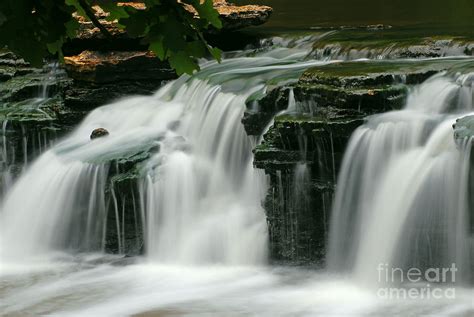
x,y
200,210
402,197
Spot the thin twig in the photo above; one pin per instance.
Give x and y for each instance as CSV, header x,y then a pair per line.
x,y
87,9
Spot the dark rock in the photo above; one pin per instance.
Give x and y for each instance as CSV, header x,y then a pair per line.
x,y
331,102
102,77
99,133
115,66
298,209
32,114
124,177
255,120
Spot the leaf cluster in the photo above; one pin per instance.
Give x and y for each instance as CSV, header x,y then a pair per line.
x,y
172,29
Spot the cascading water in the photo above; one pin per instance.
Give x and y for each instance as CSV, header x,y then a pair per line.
x,y
401,199
200,196
200,205
21,140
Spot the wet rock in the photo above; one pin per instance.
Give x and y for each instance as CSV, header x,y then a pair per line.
x,y
125,174
463,135
298,225
260,112
368,87
388,43
238,17
116,66
32,113
99,133
101,77
463,128
85,96
330,103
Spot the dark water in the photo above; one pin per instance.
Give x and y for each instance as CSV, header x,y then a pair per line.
x,y
445,15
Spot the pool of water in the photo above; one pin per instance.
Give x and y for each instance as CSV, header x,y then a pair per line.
x,y
91,285
443,15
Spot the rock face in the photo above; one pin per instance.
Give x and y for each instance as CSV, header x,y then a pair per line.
x,y
463,129
121,193
32,113
389,44
114,66
100,77
302,150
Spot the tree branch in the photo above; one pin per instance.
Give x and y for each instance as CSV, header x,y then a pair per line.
x,y
90,14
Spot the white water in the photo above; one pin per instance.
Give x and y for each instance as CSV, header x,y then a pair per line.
x,y
206,232
200,196
402,194
34,141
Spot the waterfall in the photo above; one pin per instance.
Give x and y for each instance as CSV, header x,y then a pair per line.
x,y
199,195
22,140
203,202
176,169
402,191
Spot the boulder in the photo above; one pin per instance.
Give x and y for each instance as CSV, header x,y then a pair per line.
x,y
238,17
99,133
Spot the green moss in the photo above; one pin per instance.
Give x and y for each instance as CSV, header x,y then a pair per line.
x,y
464,128
298,118
130,155
380,39
373,68
30,110
131,175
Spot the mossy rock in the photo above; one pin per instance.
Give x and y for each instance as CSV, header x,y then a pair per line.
x,y
463,129
380,73
392,43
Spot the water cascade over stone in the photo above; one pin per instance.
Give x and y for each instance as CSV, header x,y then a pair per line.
x,y
171,176
401,199
198,193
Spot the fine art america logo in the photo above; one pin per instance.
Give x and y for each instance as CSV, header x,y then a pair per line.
x,y
415,283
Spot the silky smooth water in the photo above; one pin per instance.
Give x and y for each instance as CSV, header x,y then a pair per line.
x,y
403,186
200,197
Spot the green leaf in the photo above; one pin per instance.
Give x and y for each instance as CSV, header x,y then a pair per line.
x,y
196,48
116,12
182,63
77,7
71,28
55,47
3,18
136,24
158,48
34,29
207,11
216,53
